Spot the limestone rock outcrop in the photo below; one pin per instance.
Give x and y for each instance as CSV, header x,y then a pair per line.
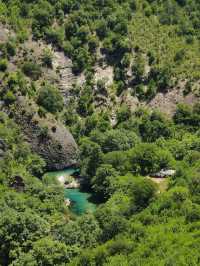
x,y
47,137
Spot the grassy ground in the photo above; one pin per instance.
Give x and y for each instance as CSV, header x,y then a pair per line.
x,y
162,183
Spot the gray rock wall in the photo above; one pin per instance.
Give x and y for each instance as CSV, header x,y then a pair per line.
x,y
47,137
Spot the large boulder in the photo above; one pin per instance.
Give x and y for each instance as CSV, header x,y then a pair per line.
x,y
47,137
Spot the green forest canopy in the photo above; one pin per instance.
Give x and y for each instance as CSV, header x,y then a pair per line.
x,y
134,224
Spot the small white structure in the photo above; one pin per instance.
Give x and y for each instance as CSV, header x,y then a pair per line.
x,y
164,173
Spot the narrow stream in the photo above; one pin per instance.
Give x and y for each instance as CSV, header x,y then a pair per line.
x,y
79,199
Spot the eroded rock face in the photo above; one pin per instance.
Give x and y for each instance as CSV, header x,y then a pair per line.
x,y
47,137
66,80
167,102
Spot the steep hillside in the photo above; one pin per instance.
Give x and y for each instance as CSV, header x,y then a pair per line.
x,y
138,48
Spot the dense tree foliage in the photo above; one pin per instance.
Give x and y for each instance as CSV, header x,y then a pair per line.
x,y
152,46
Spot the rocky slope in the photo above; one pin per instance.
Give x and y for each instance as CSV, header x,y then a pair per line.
x,y
47,137
62,76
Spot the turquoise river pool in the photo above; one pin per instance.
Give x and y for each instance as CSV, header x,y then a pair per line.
x,y
80,203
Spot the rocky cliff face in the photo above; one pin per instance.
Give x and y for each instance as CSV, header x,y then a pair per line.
x,y
47,137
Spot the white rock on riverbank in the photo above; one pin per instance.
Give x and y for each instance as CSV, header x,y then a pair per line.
x,y
73,184
68,181
67,202
61,180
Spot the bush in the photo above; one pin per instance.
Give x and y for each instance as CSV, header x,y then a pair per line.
x,y
55,36
162,77
50,98
188,88
42,112
3,65
9,97
185,115
101,29
42,18
43,132
68,48
179,55
123,113
47,58
11,48
92,43
120,86
32,70
139,67
81,60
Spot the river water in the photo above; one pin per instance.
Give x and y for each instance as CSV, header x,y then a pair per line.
x,y
80,203
79,199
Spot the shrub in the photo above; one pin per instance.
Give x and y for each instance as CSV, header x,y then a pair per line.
x,y
9,97
55,36
68,48
183,114
3,65
11,48
162,77
3,50
47,58
42,112
179,55
120,86
139,67
101,86
50,98
123,113
43,132
187,116
92,43
32,70
101,29
81,60
42,18
188,87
